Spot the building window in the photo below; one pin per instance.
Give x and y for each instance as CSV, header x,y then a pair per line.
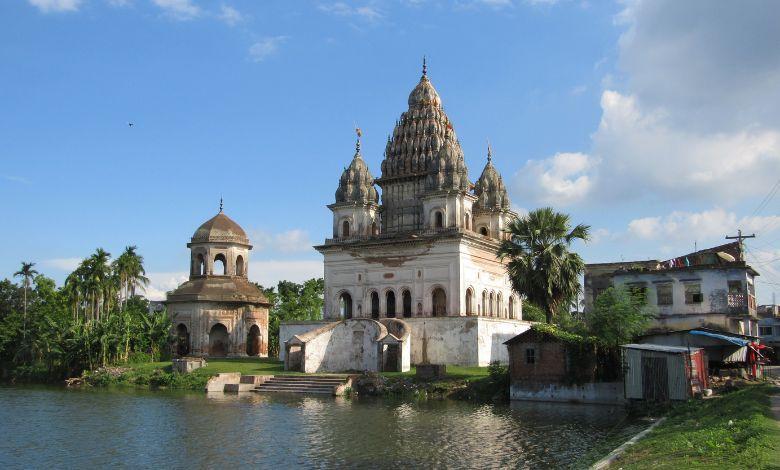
x,y
240,266
664,294
345,229
390,304
764,331
439,219
693,294
530,356
469,302
220,265
407,301
345,306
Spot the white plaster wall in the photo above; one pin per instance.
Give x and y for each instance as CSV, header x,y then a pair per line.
x,y
289,329
336,351
606,393
492,335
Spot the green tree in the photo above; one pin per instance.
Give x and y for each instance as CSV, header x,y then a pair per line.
x,y
541,266
292,301
619,315
26,273
130,273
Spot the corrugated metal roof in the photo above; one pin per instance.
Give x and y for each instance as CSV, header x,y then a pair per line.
x,y
659,348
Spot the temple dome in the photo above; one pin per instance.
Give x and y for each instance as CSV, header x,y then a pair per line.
x,y
489,189
418,135
356,183
448,170
220,228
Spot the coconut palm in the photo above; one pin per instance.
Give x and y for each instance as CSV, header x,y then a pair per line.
x,y
541,267
27,273
129,269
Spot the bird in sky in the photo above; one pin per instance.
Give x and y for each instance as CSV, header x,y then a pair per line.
x,y
130,124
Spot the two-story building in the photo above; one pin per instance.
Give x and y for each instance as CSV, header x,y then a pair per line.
x,y
711,288
769,326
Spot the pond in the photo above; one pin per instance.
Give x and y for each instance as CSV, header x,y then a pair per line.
x,y
44,427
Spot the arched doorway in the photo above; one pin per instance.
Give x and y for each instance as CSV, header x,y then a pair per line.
x,y
253,341
218,340
345,229
182,340
345,306
484,303
374,305
439,223
469,302
390,304
407,301
439,302
200,266
511,306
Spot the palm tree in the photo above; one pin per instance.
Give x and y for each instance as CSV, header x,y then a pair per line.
x,y
541,267
27,273
129,268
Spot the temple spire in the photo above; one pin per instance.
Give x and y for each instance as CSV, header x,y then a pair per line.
x,y
425,67
490,152
220,203
357,142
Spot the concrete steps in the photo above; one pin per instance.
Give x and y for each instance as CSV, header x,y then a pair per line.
x,y
312,384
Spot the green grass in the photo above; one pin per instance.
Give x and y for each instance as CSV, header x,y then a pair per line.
x,y
732,431
453,372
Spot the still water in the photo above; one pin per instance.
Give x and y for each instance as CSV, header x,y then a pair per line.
x,y
54,427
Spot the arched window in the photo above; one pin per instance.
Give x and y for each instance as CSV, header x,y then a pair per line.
x,y
499,306
374,305
491,308
407,301
468,221
200,265
439,302
345,306
345,229
484,303
511,306
469,301
240,266
483,231
390,304
439,219
220,265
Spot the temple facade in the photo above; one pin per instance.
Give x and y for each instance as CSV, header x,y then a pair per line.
x,y
218,312
425,251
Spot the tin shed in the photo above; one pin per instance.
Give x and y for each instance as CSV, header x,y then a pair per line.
x,y
663,373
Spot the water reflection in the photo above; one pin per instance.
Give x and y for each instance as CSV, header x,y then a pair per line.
x,y
181,430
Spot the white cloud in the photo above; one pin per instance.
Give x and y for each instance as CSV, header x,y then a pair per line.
x,y
120,3
162,282
291,241
708,225
578,90
49,6
179,9
559,180
261,50
365,12
67,265
230,15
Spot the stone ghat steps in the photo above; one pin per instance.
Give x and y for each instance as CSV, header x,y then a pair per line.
x,y
315,384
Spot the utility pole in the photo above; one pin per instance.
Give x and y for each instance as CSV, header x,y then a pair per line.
x,y
740,237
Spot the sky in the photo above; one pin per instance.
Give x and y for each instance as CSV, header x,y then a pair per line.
x,y
657,123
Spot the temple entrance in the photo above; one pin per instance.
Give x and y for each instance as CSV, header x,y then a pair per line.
x,y
218,340
345,306
182,340
253,341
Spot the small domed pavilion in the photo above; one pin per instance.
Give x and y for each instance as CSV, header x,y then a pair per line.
x,y
218,312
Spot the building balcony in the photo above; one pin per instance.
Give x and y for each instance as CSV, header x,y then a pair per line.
x,y
741,304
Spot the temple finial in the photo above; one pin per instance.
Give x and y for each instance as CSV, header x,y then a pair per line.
x,y
425,67
357,142
490,152
220,203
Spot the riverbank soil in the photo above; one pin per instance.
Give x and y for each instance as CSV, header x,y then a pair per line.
x,y
736,430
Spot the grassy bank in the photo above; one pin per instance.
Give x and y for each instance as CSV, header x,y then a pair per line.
x,y
735,430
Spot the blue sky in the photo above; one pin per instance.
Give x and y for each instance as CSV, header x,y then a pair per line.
x,y
657,123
